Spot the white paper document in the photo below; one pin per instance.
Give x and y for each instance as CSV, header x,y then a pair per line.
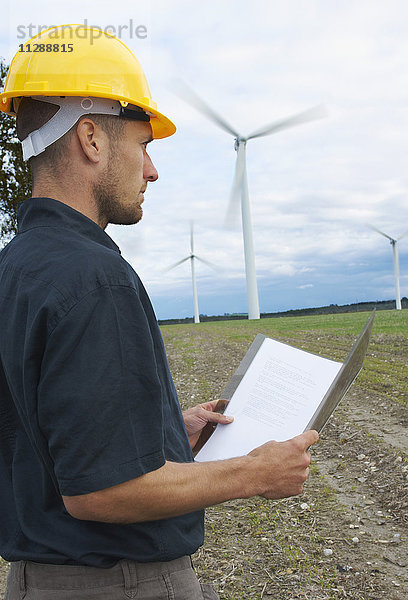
x,y
275,400
277,392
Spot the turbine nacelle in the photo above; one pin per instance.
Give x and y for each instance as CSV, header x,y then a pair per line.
x,y
238,141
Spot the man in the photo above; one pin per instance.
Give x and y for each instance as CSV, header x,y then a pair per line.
x,y
99,492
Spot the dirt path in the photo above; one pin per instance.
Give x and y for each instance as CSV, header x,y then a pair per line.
x,y
364,461
347,535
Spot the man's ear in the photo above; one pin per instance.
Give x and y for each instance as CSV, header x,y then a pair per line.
x,y
92,139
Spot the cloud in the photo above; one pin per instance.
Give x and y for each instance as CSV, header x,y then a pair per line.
x,y
305,286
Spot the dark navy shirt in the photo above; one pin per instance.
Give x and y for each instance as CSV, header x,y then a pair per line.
x,y
86,396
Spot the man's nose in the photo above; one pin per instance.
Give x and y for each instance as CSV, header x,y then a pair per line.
x,y
149,170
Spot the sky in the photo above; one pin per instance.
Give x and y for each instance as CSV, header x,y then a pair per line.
x,y
312,188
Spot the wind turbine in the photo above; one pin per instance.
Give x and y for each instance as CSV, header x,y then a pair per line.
x,y
393,243
240,181
192,257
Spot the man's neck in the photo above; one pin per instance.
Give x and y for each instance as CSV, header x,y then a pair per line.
x,y
79,199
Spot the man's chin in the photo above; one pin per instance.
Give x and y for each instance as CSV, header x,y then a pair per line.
x,y
127,219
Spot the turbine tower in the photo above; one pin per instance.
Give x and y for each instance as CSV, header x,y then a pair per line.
x,y
393,243
240,182
192,257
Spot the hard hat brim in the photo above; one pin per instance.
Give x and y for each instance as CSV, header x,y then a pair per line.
x,y
162,126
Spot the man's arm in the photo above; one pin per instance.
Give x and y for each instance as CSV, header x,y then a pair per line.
x,y
274,470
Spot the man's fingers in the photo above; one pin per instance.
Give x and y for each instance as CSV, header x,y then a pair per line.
x,y
308,438
214,417
210,405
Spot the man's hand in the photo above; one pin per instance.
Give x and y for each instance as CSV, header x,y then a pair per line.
x,y
196,419
282,468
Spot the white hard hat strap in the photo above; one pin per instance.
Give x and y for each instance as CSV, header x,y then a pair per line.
x,y
70,111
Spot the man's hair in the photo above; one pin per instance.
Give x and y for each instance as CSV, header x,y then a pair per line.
x,y
33,114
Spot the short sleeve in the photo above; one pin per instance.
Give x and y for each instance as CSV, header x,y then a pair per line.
x,y
99,395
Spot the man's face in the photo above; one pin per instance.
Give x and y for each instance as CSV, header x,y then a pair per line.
x,y
119,192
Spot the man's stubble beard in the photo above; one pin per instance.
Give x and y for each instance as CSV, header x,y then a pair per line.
x,y
108,198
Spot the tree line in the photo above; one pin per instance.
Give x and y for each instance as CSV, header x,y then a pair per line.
x,y
298,312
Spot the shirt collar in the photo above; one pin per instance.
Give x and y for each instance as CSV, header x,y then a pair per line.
x,y
47,212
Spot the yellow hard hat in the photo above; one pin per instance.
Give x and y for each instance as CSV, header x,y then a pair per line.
x,y
77,60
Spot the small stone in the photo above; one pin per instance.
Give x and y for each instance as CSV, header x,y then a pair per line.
x,y
304,506
327,551
355,540
344,569
361,457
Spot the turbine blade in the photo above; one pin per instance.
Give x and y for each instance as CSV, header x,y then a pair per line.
x,y
184,92
381,232
208,263
176,264
231,217
317,112
192,237
402,236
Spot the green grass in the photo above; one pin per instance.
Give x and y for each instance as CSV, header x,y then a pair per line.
x,y
386,322
386,367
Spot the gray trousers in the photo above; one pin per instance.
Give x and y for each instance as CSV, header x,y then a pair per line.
x,y
173,580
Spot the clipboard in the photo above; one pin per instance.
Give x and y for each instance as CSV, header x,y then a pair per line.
x,y
337,390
